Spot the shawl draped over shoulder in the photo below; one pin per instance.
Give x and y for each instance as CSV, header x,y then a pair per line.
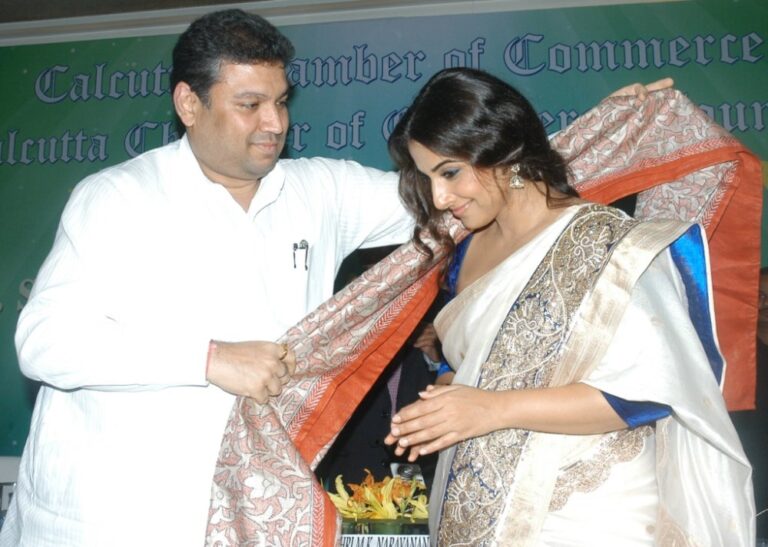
x,y
682,166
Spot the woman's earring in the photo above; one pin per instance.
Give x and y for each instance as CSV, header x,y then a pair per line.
x,y
516,181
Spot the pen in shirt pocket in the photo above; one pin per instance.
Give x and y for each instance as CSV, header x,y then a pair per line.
x,y
302,245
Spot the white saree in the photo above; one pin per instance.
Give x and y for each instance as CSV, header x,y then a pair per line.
x,y
599,299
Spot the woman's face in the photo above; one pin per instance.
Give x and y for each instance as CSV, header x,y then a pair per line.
x,y
471,195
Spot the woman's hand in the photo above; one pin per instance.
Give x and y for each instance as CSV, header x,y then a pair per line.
x,y
447,415
445,379
444,416
641,91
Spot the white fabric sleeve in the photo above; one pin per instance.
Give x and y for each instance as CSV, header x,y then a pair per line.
x,y
655,354
370,211
73,331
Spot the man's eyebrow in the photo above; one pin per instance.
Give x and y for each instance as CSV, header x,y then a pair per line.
x,y
257,94
249,94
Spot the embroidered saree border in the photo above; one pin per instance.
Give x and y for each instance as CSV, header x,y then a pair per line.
x,y
602,269
526,349
599,317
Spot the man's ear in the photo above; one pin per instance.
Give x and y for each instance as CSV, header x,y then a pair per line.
x,y
187,103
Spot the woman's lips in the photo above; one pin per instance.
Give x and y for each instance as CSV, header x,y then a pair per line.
x,y
460,210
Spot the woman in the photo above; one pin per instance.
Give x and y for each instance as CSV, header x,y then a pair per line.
x,y
584,410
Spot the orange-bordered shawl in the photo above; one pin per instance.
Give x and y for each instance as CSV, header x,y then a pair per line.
x,y
682,165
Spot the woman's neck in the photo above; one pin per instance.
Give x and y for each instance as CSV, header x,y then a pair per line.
x,y
525,216
527,213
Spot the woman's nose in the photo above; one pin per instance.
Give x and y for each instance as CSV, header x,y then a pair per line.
x,y
440,197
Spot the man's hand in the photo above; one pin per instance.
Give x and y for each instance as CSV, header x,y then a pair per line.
x,y
428,342
641,91
252,369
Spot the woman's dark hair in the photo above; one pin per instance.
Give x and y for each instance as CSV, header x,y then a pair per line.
x,y
473,116
225,36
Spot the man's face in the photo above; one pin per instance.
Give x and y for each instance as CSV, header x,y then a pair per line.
x,y
238,136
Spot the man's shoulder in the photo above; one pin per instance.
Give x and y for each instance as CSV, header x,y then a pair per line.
x,y
150,162
140,171
136,179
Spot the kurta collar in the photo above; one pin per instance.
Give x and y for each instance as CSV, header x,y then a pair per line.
x,y
270,188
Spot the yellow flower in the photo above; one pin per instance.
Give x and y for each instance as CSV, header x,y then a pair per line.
x,y
389,498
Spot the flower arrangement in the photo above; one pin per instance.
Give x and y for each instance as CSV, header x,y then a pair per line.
x,y
390,498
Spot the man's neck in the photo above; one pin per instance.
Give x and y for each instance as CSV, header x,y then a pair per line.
x,y
241,190
243,195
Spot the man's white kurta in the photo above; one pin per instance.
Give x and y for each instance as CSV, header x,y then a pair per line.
x,y
151,261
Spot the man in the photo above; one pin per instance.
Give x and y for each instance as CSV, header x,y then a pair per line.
x,y
169,277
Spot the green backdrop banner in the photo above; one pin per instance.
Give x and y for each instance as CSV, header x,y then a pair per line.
x,y
70,109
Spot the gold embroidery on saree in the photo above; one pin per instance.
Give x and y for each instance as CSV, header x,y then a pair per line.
x,y
587,474
524,355
670,534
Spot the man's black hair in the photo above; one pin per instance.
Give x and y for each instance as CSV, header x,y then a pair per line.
x,y
225,36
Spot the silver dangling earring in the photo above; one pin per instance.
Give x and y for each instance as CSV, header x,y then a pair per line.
x,y
516,181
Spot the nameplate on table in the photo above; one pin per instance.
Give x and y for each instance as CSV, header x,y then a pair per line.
x,y
375,540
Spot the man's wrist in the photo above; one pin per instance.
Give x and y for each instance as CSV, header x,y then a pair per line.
x,y
431,363
211,350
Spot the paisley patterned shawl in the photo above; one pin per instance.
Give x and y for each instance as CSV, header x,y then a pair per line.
x,y
264,491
